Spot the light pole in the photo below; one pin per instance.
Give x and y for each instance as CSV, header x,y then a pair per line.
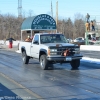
x,y
86,34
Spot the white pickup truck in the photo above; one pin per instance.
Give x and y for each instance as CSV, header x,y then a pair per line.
x,y
50,48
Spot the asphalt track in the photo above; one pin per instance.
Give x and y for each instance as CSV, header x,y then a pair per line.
x,y
19,81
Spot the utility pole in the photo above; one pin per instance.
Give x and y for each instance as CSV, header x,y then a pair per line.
x,y
19,8
86,33
56,14
51,10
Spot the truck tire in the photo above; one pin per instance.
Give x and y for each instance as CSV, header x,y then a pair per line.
x,y
75,63
25,58
44,62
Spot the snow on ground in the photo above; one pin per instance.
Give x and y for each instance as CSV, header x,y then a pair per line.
x,y
83,47
1,42
18,51
15,43
90,60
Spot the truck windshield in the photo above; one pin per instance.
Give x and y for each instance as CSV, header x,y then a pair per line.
x,y
53,38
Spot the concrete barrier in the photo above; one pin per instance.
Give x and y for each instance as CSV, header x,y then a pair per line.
x,y
90,47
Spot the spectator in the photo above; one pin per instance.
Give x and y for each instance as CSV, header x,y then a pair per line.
x,y
28,39
87,17
11,39
92,25
87,26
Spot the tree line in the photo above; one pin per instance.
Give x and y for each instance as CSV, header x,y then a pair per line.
x,y
10,26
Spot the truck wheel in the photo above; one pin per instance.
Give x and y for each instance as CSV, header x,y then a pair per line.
x,y
43,62
75,63
25,58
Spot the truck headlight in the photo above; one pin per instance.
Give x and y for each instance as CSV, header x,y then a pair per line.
x,y
52,51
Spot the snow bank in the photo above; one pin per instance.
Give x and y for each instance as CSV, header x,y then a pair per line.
x,y
90,60
15,43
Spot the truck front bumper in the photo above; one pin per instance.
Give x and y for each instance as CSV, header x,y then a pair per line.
x,y
67,58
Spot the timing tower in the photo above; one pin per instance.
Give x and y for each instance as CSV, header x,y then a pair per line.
x,y
19,8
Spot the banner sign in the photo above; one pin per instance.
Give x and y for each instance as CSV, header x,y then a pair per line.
x,y
43,22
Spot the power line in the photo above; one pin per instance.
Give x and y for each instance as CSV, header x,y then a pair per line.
x,y
56,13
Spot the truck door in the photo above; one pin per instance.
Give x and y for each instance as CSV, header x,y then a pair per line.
x,y
35,47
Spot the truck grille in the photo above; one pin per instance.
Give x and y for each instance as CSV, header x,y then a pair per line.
x,y
62,49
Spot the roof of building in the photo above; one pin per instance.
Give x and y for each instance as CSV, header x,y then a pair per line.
x,y
40,22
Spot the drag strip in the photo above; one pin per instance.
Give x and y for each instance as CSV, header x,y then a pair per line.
x,y
60,83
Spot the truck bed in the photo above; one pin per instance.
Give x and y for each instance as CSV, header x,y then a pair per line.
x,y
26,45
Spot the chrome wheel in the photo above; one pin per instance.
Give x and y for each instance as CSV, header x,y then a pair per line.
x,y
43,62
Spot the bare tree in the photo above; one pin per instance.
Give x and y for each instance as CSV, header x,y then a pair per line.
x,y
79,26
69,28
10,26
